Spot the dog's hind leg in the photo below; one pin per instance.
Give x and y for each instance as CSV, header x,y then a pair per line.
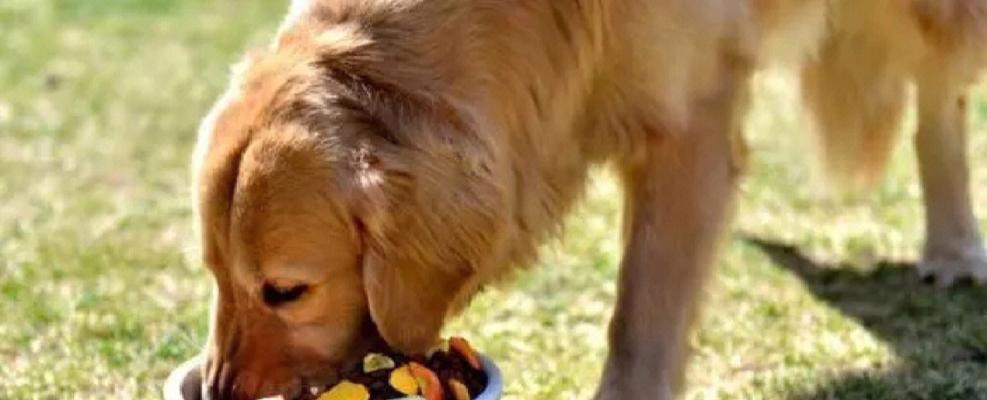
x,y
678,193
953,246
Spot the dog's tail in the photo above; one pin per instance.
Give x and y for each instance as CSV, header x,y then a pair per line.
x,y
855,92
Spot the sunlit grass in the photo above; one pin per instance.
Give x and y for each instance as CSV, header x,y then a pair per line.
x,y
101,293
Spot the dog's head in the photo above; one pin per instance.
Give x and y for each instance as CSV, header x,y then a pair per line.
x,y
332,217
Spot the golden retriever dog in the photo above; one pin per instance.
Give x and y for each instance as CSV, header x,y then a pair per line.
x,y
383,160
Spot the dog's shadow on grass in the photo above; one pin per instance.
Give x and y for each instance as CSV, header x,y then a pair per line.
x,y
939,336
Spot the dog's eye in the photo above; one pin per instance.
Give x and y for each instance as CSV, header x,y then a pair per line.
x,y
275,295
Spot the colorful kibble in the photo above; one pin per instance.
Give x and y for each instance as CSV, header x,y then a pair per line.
x,y
346,390
459,390
464,349
402,380
375,362
427,381
451,370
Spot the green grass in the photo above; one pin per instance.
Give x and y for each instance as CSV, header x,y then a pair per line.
x,y
101,293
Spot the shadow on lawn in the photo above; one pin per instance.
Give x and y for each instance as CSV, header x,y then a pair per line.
x,y
939,336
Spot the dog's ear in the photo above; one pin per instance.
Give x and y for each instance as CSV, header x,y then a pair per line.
x,y
430,224
215,166
410,299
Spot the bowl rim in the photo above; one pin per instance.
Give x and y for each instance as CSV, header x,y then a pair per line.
x,y
172,388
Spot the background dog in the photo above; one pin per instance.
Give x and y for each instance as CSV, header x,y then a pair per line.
x,y
383,160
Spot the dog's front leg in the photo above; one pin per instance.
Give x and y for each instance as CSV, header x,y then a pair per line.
x,y
678,196
953,246
677,201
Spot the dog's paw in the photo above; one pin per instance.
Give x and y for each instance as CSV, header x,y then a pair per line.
x,y
945,267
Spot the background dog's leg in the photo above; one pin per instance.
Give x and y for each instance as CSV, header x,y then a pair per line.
x,y
856,96
678,192
953,247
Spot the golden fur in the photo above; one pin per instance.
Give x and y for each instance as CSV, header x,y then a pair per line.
x,y
384,159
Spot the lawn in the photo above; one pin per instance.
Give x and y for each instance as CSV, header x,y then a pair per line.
x,y
101,291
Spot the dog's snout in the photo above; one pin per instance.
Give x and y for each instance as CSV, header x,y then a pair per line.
x,y
226,381
250,364
217,383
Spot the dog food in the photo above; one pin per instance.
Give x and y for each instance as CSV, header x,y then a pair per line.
x,y
452,371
